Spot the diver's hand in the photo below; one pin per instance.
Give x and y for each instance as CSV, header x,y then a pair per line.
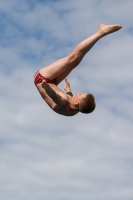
x,y
67,87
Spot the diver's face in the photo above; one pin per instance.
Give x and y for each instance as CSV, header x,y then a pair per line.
x,y
78,97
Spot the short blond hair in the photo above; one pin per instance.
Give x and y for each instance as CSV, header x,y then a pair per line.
x,y
87,104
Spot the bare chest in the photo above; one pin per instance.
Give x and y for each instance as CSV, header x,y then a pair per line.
x,y
66,110
59,91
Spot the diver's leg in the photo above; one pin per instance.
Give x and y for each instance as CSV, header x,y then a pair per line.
x,y
63,76
74,58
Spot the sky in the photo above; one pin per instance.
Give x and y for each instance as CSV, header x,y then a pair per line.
x,y
47,156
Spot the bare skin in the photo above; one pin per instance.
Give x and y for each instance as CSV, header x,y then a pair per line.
x,y
65,103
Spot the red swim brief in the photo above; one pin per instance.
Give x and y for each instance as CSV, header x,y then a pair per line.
x,y
38,79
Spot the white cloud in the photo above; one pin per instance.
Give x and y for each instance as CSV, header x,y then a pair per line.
x,y
48,156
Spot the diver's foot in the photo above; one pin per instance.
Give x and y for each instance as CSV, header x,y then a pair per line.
x,y
105,29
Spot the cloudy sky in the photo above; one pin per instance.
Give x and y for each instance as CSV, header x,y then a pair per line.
x,y
46,156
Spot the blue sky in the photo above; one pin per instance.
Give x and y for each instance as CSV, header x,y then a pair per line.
x,y
47,156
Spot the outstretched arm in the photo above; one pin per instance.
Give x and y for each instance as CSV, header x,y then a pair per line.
x,y
67,87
